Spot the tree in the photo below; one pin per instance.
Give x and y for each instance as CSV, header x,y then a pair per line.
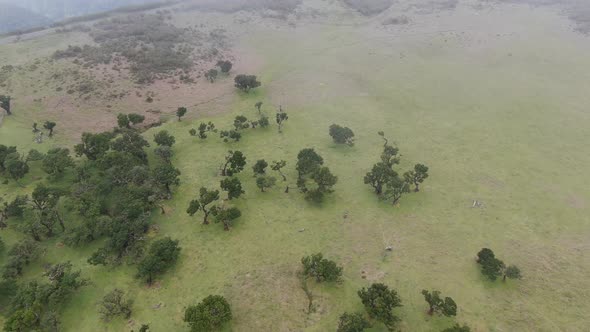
x,y
206,197
354,322
320,268
308,162
165,152
180,112
5,104
457,328
123,121
379,302
129,143
324,180
233,186
226,216
211,75
225,66
281,117
417,175
135,118
164,138
49,125
34,155
204,128
35,129
265,182
491,267
166,175
395,187
193,132
94,146
263,121
260,167
258,106
234,163
56,161
342,135
5,151
232,134
246,82
19,256
241,122
389,156
208,315
446,307
379,175
277,166
161,256
512,272
16,167
115,303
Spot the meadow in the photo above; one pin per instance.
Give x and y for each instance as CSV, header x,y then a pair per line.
x,y
495,103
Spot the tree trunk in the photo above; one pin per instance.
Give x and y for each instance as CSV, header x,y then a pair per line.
x,y
61,221
35,236
504,278
162,209
417,187
287,190
431,311
225,226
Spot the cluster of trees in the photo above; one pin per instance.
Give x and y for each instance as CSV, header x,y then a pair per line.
x,y
493,268
204,128
224,66
314,179
386,181
34,306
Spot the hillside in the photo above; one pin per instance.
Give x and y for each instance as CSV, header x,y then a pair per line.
x,y
200,155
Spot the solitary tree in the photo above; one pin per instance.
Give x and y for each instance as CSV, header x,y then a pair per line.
x,y
260,167
209,315
233,186
246,82
258,106
234,163
342,135
491,267
115,303
446,307
180,112
5,104
281,118
263,121
354,322
211,75
379,301
277,166
206,197
56,161
225,66
417,176
164,138
162,255
226,216
265,182
49,125
320,268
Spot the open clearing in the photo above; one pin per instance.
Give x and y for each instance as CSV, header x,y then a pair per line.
x,y
492,97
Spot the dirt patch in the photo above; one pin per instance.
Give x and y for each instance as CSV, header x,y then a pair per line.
x,y
576,201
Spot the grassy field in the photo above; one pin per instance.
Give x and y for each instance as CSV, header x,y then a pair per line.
x,y
498,113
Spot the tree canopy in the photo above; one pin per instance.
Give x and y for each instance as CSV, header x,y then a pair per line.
x,y
209,314
246,82
161,256
379,302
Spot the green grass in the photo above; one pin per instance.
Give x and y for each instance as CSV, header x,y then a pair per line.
x,y
509,131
